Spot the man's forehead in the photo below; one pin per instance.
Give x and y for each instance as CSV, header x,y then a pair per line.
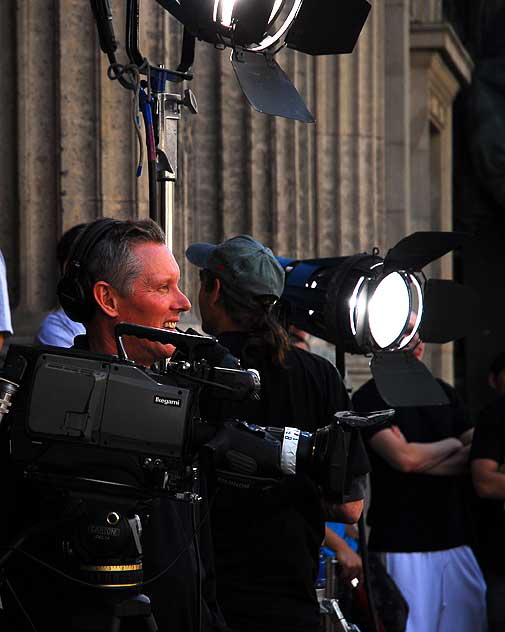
x,y
158,263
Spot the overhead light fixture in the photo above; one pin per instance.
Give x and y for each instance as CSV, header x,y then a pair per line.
x,y
367,304
256,30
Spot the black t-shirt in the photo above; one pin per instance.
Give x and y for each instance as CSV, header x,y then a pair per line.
x,y
267,542
489,443
416,512
168,527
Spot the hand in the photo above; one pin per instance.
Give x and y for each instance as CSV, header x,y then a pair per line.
x,y
350,564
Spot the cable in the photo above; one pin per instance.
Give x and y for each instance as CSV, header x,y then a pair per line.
x,y
20,605
363,548
81,582
198,569
118,71
136,121
145,105
186,548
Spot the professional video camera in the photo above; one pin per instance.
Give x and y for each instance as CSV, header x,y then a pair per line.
x,y
88,405
98,436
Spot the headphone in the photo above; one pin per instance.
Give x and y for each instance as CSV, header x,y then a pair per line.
x,y
74,288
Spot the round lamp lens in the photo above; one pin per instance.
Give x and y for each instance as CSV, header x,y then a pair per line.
x,y
275,11
223,12
417,307
281,18
358,306
389,310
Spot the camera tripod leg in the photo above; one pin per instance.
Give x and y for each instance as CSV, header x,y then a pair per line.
x,y
138,606
335,616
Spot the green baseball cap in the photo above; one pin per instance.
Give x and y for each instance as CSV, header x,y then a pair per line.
x,y
247,268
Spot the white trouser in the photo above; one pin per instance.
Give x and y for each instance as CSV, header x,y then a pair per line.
x,y
445,590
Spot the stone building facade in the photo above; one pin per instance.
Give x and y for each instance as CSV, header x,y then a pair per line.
x,y
376,166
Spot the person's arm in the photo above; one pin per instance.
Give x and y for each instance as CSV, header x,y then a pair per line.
x,y
488,480
457,463
348,512
350,562
413,457
453,465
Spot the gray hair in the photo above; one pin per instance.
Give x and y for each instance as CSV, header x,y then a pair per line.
x,y
112,259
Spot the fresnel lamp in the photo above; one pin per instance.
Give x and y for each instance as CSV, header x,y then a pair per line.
x,y
256,30
370,305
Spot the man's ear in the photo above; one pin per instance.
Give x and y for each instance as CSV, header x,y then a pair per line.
x,y
215,293
106,298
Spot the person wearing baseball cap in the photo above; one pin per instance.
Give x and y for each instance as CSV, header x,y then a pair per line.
x,y
266,540
240,282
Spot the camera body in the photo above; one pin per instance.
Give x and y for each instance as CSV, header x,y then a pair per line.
x,y
94,407
91,400
94,418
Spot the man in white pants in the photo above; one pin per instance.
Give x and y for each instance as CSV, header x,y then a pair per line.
x,y
418,513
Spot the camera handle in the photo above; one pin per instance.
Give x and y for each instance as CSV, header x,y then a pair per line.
x,y
188,343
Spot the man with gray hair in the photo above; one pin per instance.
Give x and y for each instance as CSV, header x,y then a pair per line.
x,y
122,271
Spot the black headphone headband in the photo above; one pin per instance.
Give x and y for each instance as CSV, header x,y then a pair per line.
x,y
74,288
87,240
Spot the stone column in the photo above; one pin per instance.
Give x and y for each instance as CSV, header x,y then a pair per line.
x,y
439,66
359,141
397,123
9,199
350,153
36,102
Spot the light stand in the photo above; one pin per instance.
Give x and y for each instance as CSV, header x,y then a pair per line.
x,y
161,109
168,114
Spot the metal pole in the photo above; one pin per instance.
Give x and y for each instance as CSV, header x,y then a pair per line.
x,y
168,109
166,199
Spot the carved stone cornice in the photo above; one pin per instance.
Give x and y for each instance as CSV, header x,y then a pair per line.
x,y
441,39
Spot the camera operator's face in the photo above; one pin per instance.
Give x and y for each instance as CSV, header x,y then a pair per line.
x,y
155,300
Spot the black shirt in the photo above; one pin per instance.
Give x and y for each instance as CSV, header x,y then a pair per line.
x,y
416,512
489,443
267,542
168,527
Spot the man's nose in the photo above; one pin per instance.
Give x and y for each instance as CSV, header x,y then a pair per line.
x,y
183,303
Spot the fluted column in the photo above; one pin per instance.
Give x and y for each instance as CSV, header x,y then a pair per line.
x,y
350,152
397,121
9,200
37,108
439,67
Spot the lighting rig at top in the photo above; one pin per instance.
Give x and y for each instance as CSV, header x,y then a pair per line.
x,y
371,305
256,30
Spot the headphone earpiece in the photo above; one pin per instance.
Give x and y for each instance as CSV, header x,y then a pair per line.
x,y
74,288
